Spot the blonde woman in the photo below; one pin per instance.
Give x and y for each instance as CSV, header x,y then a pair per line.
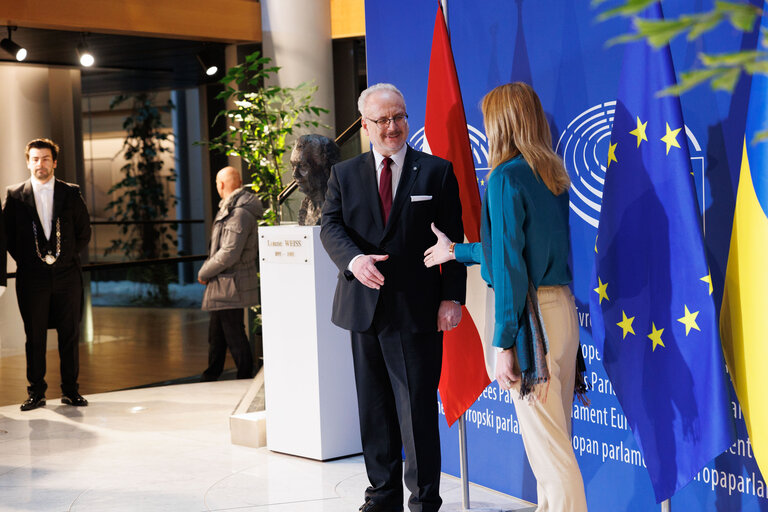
x,y
524,257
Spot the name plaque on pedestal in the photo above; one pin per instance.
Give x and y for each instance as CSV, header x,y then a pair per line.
x,y
309,384
284,245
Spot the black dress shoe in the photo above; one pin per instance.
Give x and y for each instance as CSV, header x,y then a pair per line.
x,y
34,401
75,399
368,506
372,506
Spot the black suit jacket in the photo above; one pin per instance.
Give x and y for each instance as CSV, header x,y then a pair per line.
x,y
21,212
352,224
3,256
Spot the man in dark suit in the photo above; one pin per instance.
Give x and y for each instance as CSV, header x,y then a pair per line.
x,y
47,225
376,227
3,257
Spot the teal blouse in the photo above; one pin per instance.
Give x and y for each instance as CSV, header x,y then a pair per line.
x,y
524,235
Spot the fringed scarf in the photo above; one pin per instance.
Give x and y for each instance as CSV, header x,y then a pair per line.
x,y
531,348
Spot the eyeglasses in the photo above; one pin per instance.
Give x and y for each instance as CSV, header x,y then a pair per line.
x,y
384,121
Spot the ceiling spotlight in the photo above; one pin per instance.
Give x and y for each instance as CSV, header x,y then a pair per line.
x,y
18,52
206,60
84,54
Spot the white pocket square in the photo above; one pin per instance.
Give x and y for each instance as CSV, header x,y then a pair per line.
x,y
416,199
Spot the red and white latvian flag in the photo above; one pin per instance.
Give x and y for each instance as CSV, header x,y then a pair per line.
x,y
464,375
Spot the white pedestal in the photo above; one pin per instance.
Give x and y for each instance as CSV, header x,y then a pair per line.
x,y
309,382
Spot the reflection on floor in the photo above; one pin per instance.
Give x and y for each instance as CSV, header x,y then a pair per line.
x,y
168,449
132,347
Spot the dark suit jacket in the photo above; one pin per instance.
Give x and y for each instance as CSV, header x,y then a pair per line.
x,y
352,224
3,256
20,213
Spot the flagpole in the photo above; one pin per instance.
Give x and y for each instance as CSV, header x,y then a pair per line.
x,y
666,506
463,463
444,4
463,468
464,472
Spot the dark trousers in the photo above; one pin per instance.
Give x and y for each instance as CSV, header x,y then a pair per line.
x,y
51,299
227,329
396,375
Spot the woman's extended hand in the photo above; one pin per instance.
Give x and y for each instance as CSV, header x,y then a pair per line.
x,y
440,252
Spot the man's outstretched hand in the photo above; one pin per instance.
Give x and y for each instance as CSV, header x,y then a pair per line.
x,y
365,271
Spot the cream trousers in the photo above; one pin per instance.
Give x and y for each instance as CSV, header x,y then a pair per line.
x,y
546,426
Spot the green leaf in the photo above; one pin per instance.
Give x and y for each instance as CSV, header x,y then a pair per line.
x,y
630,8
758,66
742,15
702,27
688,81
727,80
760,136
729,59
625,38
660,32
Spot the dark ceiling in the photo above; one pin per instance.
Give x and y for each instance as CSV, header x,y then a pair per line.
x,y
123,63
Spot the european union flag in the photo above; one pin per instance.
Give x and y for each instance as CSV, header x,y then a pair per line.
x,y
652,303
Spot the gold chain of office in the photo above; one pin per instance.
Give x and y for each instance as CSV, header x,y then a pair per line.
x,y
49,258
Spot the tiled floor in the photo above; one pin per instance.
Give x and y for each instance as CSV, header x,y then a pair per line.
x,y
168,449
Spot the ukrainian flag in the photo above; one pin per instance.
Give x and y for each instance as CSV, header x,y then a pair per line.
x,y
744,315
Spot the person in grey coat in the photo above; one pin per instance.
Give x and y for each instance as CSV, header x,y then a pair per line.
x,y
230,275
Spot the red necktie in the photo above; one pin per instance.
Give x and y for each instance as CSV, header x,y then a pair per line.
x,y
385,189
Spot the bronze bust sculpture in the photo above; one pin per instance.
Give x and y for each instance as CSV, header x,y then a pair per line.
x,y
311,159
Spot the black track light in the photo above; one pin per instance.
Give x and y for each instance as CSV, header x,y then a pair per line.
x,y
207,62
18,51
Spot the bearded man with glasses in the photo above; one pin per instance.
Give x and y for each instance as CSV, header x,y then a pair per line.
x,y
376,226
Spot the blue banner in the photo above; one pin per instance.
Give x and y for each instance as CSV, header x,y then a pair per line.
x,y
558,47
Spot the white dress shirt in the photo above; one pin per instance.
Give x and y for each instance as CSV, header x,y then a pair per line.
x,y
44,203
396,167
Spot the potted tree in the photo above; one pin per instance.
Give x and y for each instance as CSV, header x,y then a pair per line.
x,y
141,197
260,123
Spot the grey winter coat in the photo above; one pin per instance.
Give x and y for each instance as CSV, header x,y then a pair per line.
x,y
230,269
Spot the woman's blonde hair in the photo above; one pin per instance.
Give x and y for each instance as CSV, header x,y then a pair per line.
x,y
515,124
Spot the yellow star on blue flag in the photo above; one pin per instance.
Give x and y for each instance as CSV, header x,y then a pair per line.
x,y
639,132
